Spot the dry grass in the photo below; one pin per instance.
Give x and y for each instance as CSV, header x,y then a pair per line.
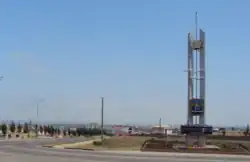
x,y
31,135
74,145
116,143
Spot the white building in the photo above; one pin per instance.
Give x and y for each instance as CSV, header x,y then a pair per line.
x,y
163,129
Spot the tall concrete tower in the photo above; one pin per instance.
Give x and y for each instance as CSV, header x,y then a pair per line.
x,y
196,79
196,88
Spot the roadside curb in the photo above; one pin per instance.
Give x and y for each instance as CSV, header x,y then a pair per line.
x,y
60,146
79,149
48,146
68,148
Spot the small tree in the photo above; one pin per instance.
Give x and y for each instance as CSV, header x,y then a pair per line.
x,y
36,129
4,129
49,130
12,127
45,129
19,128
64,132
26,128
52,129
78,131
73,133
41,129
69,132
224,132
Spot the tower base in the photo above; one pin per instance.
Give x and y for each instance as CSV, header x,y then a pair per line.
x,y
196,134
199,140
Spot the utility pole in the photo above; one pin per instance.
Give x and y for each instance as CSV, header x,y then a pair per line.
x,y
102,107
37,109
37,114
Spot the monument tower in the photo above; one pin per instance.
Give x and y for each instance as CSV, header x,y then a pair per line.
x,y
196,100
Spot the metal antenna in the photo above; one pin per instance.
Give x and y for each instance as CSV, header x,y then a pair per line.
x,y
196,25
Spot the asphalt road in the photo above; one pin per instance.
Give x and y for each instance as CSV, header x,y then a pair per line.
x,y
31,151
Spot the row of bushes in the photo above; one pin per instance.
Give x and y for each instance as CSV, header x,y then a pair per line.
x,y
25,128
49,129
13,128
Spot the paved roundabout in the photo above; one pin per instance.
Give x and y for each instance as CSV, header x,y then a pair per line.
x,y
31,150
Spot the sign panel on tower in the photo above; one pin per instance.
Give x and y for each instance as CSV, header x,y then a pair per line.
x,y
197,105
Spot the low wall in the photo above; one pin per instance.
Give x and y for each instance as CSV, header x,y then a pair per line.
x,y
211,137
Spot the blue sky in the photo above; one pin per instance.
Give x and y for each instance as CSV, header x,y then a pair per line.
x,y
69,53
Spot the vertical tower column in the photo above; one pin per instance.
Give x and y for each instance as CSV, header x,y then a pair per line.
x,y
202,75
202,139
190,79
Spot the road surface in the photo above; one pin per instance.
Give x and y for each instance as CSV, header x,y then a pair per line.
x,y
31,151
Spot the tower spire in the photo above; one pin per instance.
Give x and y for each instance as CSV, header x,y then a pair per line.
x,y
196,25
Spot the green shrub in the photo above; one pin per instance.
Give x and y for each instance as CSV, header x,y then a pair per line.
x,y
19,128
12,127
25,128
4,129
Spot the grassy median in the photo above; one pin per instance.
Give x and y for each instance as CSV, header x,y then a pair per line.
x,y
113,143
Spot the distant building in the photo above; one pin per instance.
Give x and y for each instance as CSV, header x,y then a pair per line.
x,y
163,129
121,130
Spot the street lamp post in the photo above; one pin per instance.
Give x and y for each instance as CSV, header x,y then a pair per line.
x,y
37,114
102,108
37,109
